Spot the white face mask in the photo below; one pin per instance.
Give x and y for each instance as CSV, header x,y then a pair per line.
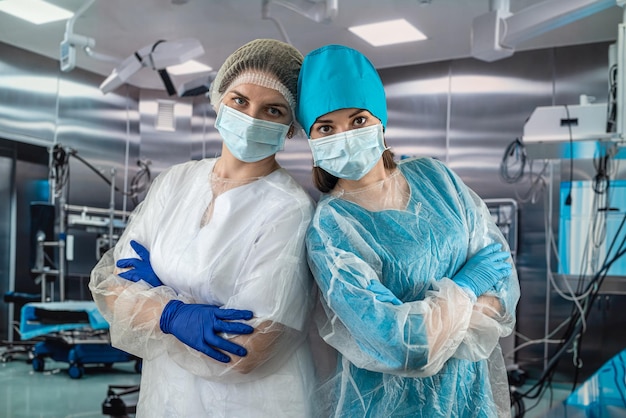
x,y
351,154
247,138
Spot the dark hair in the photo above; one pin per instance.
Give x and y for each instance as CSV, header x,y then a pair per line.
x,y
325,182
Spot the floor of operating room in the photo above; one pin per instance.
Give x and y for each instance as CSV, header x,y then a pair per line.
x,y
25,393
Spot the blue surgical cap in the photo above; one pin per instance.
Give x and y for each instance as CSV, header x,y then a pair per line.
x,y
337,77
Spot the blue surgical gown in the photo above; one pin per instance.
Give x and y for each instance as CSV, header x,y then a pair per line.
x,y
437,353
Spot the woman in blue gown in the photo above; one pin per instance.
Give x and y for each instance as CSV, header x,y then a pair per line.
x,y
416,280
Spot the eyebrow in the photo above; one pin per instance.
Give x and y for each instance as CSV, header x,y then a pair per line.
x,y
318,120
238,93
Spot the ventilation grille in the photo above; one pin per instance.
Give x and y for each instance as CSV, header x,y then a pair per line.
x,y
165,120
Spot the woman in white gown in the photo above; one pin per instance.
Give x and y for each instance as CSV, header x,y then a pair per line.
x,y
217,304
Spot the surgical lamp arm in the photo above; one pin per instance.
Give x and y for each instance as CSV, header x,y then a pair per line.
x,y
69,26
496,33
67,53
72,40
156,56
546,16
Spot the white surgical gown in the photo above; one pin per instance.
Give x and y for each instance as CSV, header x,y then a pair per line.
x,y
250,255
426,357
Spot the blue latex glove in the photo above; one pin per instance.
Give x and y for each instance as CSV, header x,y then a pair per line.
x,y
198,327
484,270
382,293
140,268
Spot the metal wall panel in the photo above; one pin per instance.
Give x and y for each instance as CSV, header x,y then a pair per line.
x,y
7,201
490,103
417,101
28,95
104,131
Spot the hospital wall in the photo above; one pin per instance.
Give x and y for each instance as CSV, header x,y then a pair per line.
x,y
464,112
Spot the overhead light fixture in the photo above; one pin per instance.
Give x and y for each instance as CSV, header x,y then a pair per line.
x,y
388,33
34,11
189,67
159,56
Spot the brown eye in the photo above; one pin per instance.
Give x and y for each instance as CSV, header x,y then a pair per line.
x,y
324,129
360,121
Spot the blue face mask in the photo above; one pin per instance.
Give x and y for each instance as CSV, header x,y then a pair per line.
x,y
351,154
249,139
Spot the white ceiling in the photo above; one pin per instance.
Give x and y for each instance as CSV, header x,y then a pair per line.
x,y
120,27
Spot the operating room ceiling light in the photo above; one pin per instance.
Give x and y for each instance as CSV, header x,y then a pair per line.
x,y
388,33
158,56
189,67
34,11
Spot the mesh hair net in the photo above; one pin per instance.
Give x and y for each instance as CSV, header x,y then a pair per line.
x,y
264,62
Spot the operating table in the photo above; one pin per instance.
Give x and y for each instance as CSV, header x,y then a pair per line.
x,y
72,331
